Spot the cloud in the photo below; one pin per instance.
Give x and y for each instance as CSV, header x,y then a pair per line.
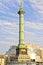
x,y
5,0
33,38
37,5
5,9
10,40
19,1
8,7
7,23
9,27
9,33
2,5
13,27
34,33
34,25
9,1
4,48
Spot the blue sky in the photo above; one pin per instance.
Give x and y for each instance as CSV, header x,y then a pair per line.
x,y
9,23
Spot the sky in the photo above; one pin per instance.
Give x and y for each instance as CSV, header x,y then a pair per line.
x,y
9,23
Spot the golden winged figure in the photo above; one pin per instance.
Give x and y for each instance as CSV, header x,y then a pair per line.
x,y
21,4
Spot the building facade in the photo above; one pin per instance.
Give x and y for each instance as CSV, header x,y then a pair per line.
x,y
2,60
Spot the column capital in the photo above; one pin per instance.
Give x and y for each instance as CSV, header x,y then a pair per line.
x,y
21,11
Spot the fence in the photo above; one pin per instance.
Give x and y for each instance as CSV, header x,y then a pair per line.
x,y
25,63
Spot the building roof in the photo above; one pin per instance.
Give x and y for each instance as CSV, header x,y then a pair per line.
x,y
12,50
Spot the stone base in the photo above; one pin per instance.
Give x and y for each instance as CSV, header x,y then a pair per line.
x,y
21,54
23,58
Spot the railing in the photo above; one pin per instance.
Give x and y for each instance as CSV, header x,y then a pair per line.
x,y
31,63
